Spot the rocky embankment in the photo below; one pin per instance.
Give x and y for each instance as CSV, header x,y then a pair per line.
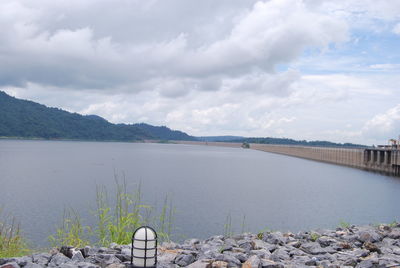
x,y
356,246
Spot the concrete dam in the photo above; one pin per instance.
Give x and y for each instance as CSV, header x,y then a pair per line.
x,y
379,159
383,159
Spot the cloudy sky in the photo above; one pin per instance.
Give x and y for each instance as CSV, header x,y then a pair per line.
x,y
310,69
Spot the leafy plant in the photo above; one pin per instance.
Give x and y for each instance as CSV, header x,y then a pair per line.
x,y
228,232
114,223
344,224
12,243
314,236
71,232
243,226
260,234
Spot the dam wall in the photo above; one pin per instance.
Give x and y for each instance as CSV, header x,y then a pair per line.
x,y
340,156
379,159
384,159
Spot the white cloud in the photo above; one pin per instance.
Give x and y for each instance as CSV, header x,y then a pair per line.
x,y
396,29
78,57
382,125
256,68
385,66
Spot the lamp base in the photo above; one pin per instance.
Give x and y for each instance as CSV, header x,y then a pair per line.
x,y
130,265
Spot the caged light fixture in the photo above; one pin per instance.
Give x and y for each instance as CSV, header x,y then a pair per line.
x,y
144,248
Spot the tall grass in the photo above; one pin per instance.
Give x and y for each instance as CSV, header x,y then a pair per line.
x,y
11,242
116,220
71,232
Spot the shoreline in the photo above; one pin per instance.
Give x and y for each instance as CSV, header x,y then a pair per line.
x,y
352,246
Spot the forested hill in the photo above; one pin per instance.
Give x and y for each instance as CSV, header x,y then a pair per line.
x,y
285,141
27,119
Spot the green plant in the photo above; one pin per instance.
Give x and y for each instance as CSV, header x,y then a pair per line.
x,y
71,232
12,244
228,232
314,236
103,216
165,219
260,234
344,224
243,226
393,224
114,223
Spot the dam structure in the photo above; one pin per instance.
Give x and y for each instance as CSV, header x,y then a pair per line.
x,y
384,159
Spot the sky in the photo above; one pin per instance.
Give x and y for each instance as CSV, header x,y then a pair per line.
x,y
301,69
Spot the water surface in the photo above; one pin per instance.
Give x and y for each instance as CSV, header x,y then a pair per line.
x,y
39,178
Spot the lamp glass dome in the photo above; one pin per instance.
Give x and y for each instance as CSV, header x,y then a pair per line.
x,y
144,247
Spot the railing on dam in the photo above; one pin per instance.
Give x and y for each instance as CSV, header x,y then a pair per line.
x,y
386,160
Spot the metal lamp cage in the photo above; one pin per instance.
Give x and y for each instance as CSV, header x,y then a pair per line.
x,y
145,258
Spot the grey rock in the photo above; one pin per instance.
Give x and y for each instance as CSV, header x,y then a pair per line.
x,y
326,241
394,234
368,235
270,264
67,251
230,259
116,265
167,257
226,248
58,259
41,258
21,261
295,244
184,259
352,261
192,242
126,251
77,257
312,248
396,250
261,253
232,242
259,244
67,265
10,265
240,256
200,264
360,253
86,265
32,265
300,259
279,255
311,262
274,238
169,245
253,262
370,263
246,245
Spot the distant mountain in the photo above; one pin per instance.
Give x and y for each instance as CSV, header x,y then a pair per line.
x,y
164,133
220,138
27,119
282,141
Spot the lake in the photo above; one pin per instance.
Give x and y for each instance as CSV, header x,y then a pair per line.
x,y
38,179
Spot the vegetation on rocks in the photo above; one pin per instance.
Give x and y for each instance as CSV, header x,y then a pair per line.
x,y
114,223
11,241
355,246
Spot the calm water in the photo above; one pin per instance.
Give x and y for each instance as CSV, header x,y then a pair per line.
x,y
39,178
